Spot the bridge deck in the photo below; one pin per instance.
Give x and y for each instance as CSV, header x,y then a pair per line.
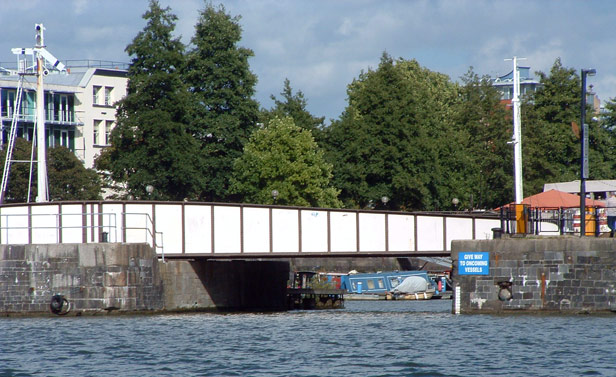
x,y
247,231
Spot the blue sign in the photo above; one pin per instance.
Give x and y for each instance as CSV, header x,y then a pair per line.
x,y
474,263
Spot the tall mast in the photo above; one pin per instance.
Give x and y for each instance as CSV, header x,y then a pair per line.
x,y
517,133
42,194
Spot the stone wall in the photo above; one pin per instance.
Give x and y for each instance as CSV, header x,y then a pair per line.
x,y
561,274
93,277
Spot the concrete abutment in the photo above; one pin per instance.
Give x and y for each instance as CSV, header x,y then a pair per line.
x,y
552,274
129,278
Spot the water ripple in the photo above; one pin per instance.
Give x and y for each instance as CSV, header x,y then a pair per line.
x,y
365,339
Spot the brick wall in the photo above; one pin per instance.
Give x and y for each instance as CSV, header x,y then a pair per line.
x,y
562,274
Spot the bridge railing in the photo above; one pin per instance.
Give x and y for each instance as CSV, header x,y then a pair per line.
x,y
228,230
45,228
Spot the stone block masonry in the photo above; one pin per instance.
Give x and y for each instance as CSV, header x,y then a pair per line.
x,y
555,274
93,278
129,278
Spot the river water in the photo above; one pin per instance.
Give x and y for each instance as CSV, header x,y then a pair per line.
x,y
367,338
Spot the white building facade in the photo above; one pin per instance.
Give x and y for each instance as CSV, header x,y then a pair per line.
x,y
80,108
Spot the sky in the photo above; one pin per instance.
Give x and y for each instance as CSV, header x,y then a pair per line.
x,y
322,45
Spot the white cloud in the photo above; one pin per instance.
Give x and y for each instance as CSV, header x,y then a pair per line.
x,y
346,27
79,6
321,45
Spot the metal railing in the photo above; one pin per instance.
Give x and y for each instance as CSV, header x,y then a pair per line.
x,y
106,226
149,230
555,221
7,222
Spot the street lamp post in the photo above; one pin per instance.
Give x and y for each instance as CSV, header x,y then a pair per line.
x,y
274,195
455,202
384,200
584,151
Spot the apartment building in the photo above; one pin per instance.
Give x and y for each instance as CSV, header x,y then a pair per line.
x,y
504,84
79,107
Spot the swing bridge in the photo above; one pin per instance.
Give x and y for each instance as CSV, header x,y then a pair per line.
x,y
243,231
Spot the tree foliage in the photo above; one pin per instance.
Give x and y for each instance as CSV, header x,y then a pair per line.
x,y
151,144
223,113
483,126
68,178
284,157
407,133
551,133
388,140
294,105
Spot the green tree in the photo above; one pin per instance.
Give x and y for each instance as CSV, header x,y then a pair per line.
x,y
395,138
151,144
551,133
68,178
602,141
483,126
550,146
284,157
294,106
608,116
17,189
223,114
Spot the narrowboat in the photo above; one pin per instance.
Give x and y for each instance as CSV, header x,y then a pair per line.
x,y
394,285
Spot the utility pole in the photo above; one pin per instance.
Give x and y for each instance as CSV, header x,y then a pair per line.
x,y
584,151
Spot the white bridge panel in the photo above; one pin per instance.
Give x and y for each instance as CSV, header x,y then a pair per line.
x,y
430,233
45,224
458,229
256,230
314,231
483,228
112,222
14,223
227,232
236,228
401,232
72,223
139,223
285,230
343,227
372,232
168,228
198,223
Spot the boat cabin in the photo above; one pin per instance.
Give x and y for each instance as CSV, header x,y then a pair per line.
x,y
380,282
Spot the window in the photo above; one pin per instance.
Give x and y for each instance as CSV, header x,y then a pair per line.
x,y
64,138
394,282
370,283
380,283
62,108
95,94
97,130
8,103
28,105
108,128
49,106
108,98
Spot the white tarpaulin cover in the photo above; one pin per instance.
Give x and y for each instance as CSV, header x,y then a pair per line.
x,y
412,284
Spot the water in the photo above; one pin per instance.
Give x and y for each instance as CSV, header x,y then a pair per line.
x,y
385,338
